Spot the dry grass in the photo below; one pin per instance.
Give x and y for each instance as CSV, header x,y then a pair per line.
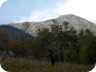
x,y
28,65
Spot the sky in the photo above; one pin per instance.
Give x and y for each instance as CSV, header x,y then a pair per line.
x,y
14,11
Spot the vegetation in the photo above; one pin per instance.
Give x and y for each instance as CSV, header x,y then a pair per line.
x,y
72,48
28,65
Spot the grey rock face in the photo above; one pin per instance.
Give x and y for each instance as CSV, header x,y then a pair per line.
x,y
75,21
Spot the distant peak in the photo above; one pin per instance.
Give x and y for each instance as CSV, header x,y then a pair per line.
x,y
68,15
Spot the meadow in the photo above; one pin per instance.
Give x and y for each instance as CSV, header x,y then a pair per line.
x,y
30,65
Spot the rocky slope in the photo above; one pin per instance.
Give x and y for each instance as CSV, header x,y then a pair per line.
x,y
77,22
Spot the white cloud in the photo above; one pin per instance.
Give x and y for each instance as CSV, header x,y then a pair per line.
x,y
82,8
40,15
1,2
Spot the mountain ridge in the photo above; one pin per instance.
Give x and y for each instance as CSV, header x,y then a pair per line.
x,y
77,22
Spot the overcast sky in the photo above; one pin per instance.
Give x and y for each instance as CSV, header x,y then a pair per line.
x,y
39,10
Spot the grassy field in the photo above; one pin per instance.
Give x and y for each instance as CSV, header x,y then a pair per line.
x,y
29,65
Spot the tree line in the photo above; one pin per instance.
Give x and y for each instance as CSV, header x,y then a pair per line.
x,y
70,45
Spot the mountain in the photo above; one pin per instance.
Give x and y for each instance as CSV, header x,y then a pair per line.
x,y
77,22
13,32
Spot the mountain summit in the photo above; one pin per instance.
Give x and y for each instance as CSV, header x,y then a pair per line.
x,y
77,22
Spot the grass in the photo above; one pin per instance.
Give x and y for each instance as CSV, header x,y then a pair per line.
x,y
29,65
